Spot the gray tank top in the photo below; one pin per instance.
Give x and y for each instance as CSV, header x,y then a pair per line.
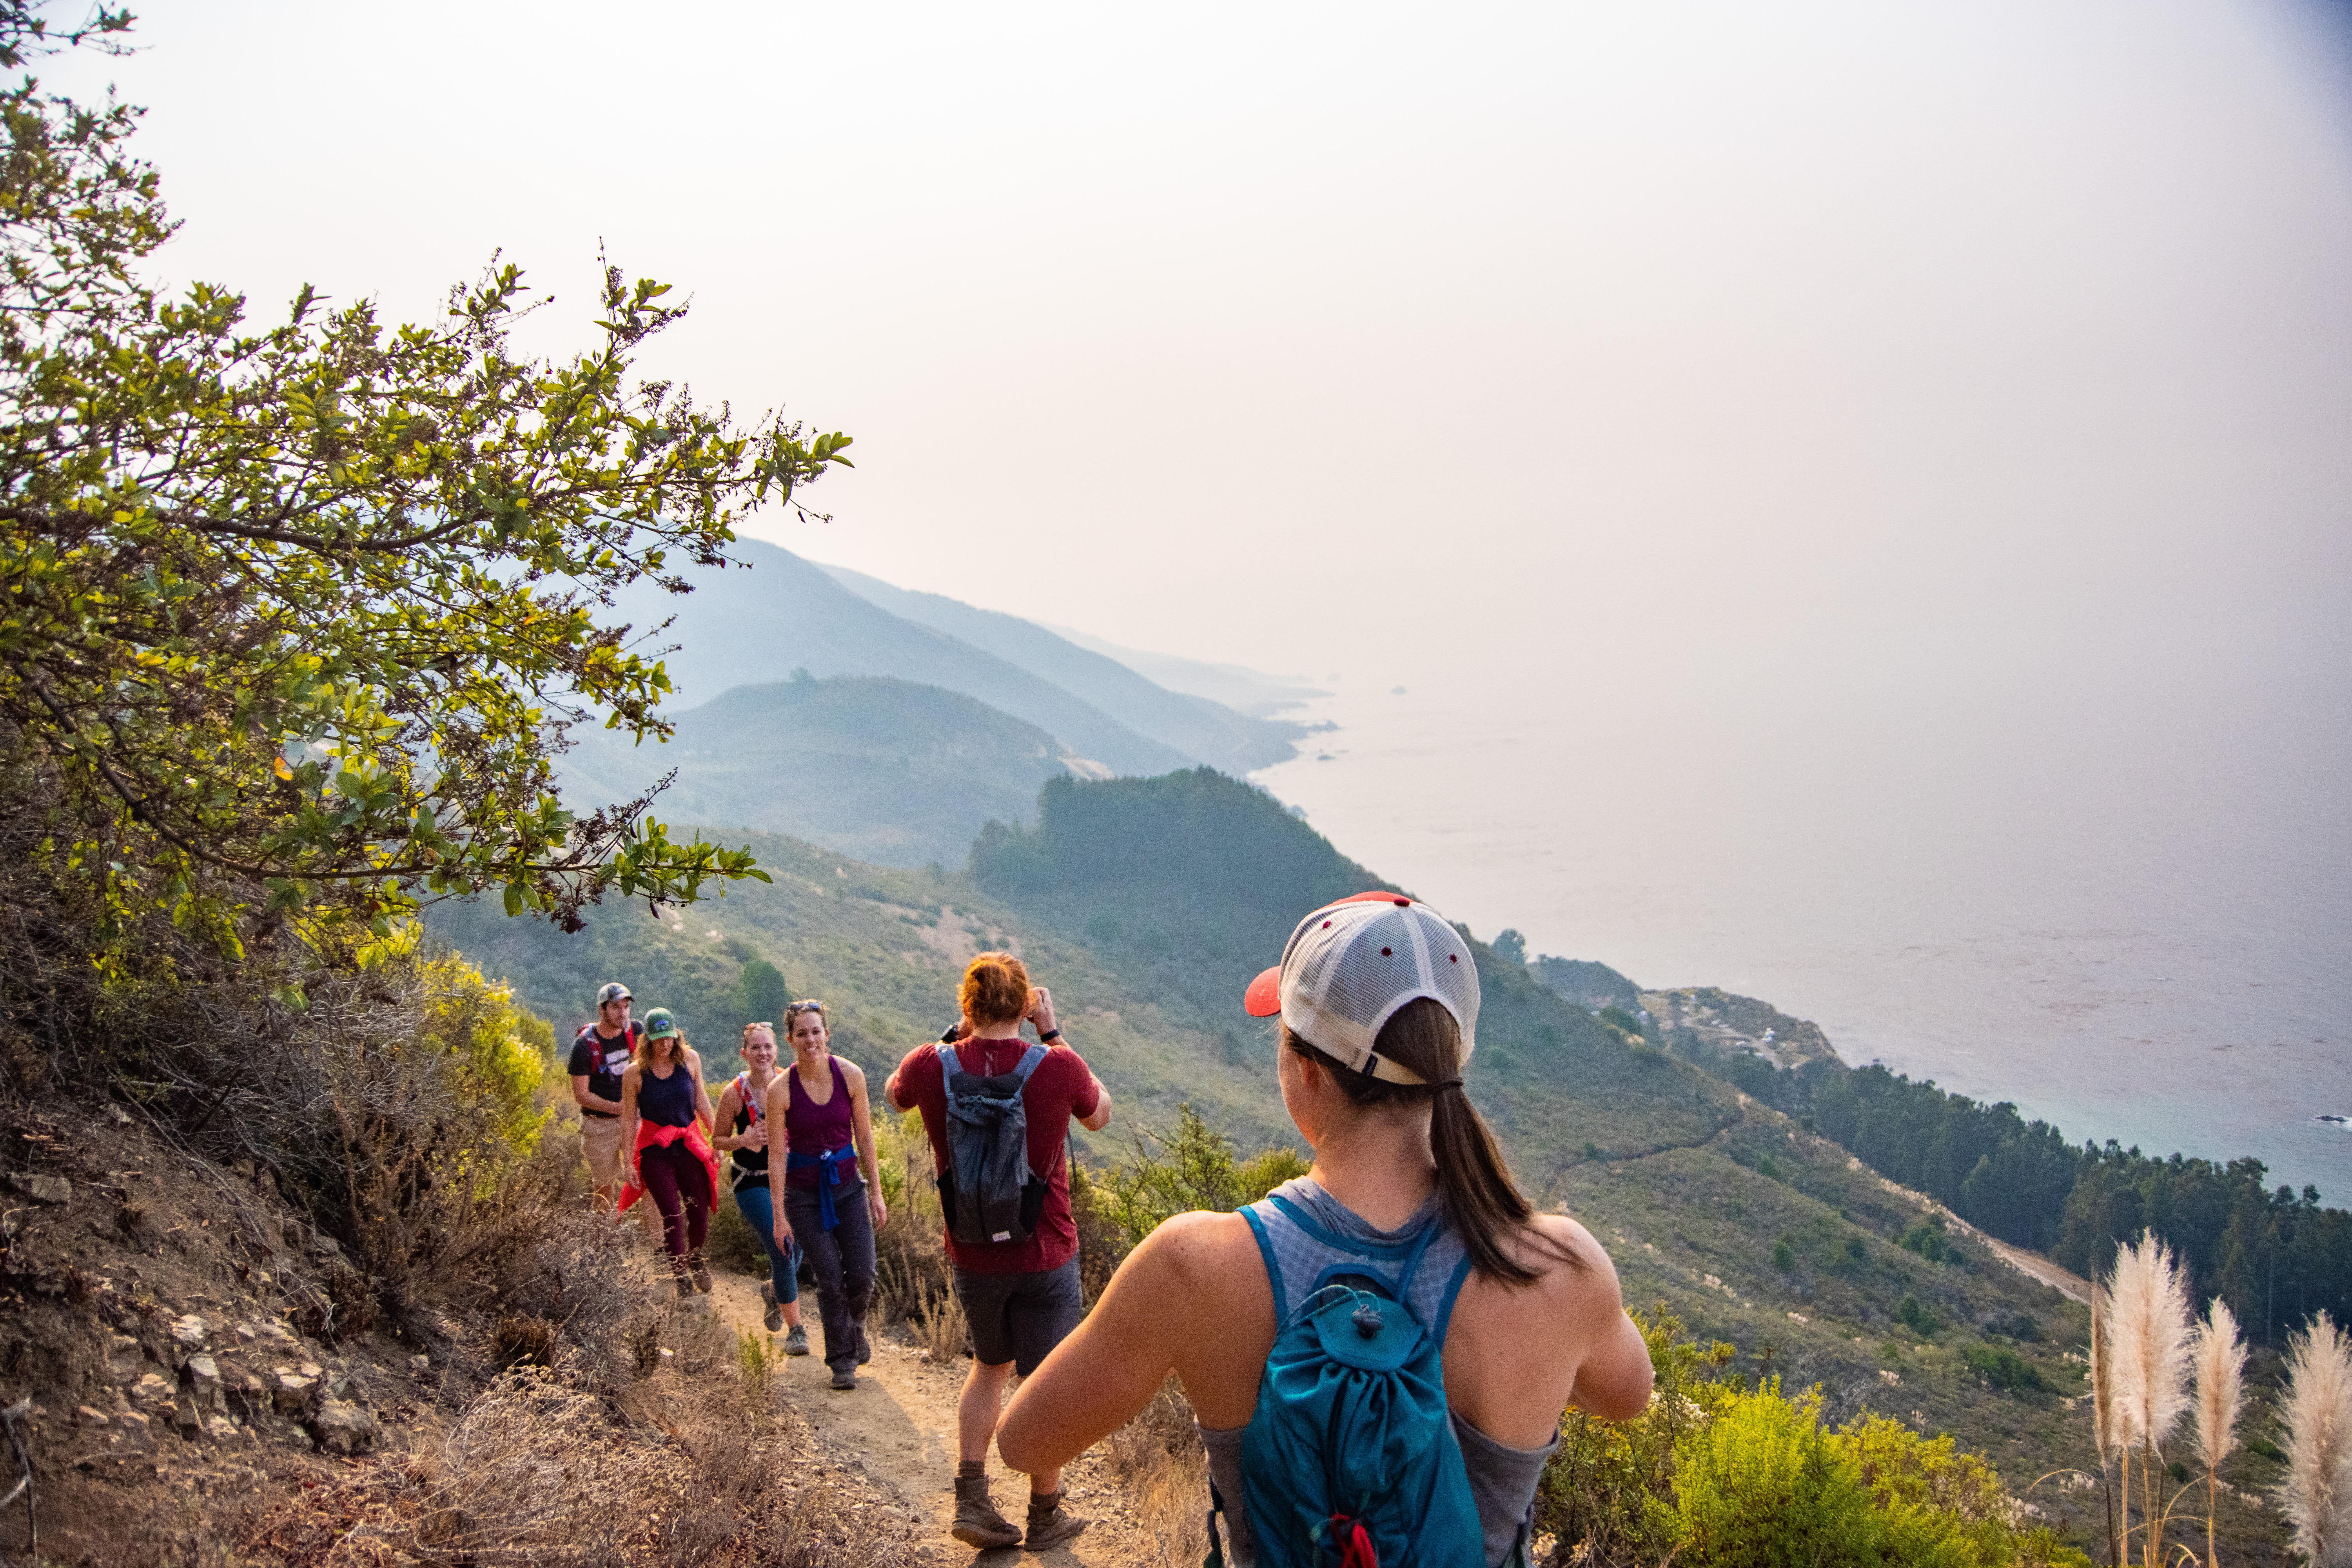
x,y
1502,1479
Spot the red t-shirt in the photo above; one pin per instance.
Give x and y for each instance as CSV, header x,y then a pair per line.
x,y
1061,1088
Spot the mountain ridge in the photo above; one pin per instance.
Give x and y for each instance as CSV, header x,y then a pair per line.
x,y
750,628
1201,727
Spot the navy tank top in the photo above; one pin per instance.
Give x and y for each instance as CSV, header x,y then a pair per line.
x,y
667,1101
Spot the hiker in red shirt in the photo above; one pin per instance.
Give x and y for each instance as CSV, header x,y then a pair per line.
x,y
1011,1240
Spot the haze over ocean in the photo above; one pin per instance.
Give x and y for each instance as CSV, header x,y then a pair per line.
x,y
2133,917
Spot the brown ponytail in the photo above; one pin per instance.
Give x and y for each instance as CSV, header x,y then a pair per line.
x,y
1482,1202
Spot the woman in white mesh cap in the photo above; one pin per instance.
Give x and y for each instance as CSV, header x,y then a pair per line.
x,y
1379,1353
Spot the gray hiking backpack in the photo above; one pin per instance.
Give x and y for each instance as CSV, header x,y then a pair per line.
x,y
987,1191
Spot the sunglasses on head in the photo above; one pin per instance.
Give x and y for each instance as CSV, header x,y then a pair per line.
x,y
795,1009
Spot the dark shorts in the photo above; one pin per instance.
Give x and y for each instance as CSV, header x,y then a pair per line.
x,y
1019,1318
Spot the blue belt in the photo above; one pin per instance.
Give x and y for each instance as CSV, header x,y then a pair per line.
x,y
829,1176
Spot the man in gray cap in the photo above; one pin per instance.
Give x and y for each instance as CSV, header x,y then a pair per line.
x,y
601,1053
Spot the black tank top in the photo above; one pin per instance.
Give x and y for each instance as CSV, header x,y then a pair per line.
x,y
667,1101
749,1163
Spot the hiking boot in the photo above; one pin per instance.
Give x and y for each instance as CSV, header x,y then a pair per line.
x,y
775,1307
865,1346
845,1377
795,1343
685,1288
1050,1524
701,1272
977,1522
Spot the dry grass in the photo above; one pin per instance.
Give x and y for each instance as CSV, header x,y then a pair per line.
x,y
821,1528
938,1323
546,1470
527,1477
1158,1459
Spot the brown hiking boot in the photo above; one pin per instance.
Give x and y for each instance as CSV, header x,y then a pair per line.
x,y
701,1272
977,1522
1050,1524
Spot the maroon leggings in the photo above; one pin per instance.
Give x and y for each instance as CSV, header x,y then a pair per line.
x,y
679,1185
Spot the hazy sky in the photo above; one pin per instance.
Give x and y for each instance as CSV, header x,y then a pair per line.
x,y
1647,349
1859,495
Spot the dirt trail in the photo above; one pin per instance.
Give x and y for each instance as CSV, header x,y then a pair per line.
x,y
898,1429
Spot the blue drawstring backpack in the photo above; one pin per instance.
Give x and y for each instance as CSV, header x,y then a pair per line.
x,y
1350,1460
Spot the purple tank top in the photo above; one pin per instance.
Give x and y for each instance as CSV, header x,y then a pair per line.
x,y
814,1129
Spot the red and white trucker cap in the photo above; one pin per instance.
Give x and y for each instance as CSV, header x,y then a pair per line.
x,y
1351,964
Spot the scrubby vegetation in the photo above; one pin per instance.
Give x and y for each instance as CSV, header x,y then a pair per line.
x,y
1720,1469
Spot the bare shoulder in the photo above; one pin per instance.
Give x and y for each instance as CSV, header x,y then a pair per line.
x,y
852,1074
1591,1281
1195,1253
1583,1291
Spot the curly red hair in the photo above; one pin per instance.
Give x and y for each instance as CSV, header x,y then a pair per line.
x,y
995,989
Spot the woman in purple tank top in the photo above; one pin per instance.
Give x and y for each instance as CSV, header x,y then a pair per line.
x,y
824,1190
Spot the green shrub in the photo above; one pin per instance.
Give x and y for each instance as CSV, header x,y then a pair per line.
x,y
1929,1240
1191,1167
1784,1256
761,993
1760,1485
2004,1368
1604,1487
1714,1472
1916,1318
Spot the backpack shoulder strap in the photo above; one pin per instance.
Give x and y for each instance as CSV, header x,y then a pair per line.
x,y
1452,1289
1426,1273
1030,1061
948,1064
1273,1265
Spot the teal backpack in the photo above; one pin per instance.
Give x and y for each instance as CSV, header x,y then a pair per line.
x,y
1351,1461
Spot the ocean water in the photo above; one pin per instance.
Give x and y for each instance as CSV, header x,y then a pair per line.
x,y
2130,915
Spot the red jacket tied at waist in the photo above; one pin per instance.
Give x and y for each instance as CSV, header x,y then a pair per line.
x,y
650,1133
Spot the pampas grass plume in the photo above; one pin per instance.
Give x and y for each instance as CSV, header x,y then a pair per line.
x,y
2104,1435
2149,1327
2220,1358
2317,1417
2220,1362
